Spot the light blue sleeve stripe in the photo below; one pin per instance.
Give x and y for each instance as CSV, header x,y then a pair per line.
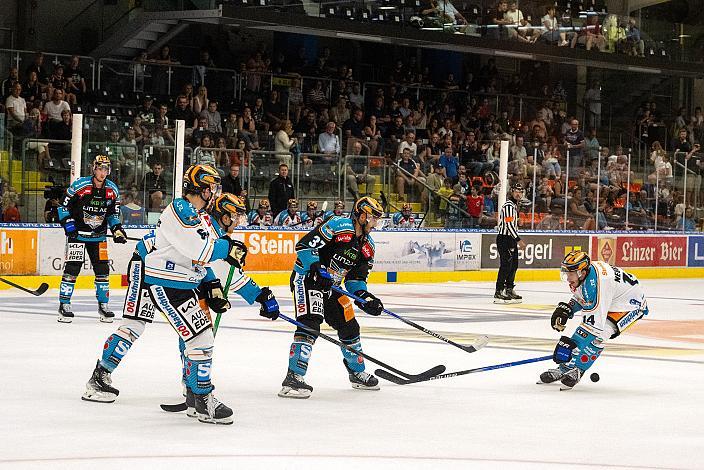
x,y
354,285
221,250
249,292
209,275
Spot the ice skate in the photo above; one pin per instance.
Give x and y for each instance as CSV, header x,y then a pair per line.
x,y
99,386
512,296
209,410
106,315
294,386
65,313
191,404
571,378
362,380
550,376
500,298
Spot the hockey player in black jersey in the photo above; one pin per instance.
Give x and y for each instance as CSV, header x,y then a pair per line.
x,y
339,250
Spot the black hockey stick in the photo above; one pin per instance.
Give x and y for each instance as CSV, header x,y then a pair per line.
x,y
477,345
126,237
439,369
401,381
38,291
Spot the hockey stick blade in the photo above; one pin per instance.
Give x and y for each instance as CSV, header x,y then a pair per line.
x,y
400,381
432,372
175,408
38,291
478,344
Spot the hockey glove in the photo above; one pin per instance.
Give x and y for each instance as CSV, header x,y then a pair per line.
x,y
118,234
70,227
562,313
238,253
320,277
563,350
270,307
214,296
372,305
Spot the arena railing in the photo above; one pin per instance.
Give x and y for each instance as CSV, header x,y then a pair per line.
x,y
22,59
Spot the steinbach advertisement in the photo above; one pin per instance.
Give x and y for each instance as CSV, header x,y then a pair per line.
x,y
541,251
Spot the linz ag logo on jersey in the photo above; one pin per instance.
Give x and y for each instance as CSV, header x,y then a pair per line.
x,y
367,250
344,238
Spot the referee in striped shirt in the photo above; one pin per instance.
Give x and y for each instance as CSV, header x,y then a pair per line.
x,y
507,242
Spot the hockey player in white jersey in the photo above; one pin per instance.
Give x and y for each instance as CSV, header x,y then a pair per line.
x,y
311,217
262,216
185,241
610,301
290,216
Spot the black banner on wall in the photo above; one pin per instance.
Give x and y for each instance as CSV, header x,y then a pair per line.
x,y
542,251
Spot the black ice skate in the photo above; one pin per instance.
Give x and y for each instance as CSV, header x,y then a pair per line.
x,y
500,297
551,376
99,386
210,410
190,404
362,380
571,378
65,313
106,315
512,296
294,386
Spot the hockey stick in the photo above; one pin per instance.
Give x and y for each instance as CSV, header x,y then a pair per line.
x,y
400,381
439,369
477,345
126,237
38,291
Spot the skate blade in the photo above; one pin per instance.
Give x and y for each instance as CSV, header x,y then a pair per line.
x,y
106,319
63,319
514,301
547,383
499,301
288,392
565,388
365,387
99,398
191,412
208,420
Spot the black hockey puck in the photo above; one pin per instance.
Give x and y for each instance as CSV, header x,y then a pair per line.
x,y
594,377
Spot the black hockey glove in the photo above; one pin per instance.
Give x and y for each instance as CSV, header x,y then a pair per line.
x,y
320,277
562,313
119,235
70,228
563,350
372,305
270,307
238,253
214,296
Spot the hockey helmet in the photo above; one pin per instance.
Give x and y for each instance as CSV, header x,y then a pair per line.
x,y
406,208
200,177
264,204
367,205
312,205
339,205
230,204
575,261
102,161
293,204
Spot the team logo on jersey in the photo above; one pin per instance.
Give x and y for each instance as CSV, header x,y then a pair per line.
x,y
344,238
170,265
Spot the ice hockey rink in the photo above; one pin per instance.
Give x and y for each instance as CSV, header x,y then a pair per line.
x,y
645,412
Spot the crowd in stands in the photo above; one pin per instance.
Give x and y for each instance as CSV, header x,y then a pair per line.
x,y
441,141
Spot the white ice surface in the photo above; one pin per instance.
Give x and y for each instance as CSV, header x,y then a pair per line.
x,y
646,412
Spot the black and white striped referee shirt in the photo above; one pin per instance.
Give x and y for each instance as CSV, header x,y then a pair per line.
x,y
508,220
